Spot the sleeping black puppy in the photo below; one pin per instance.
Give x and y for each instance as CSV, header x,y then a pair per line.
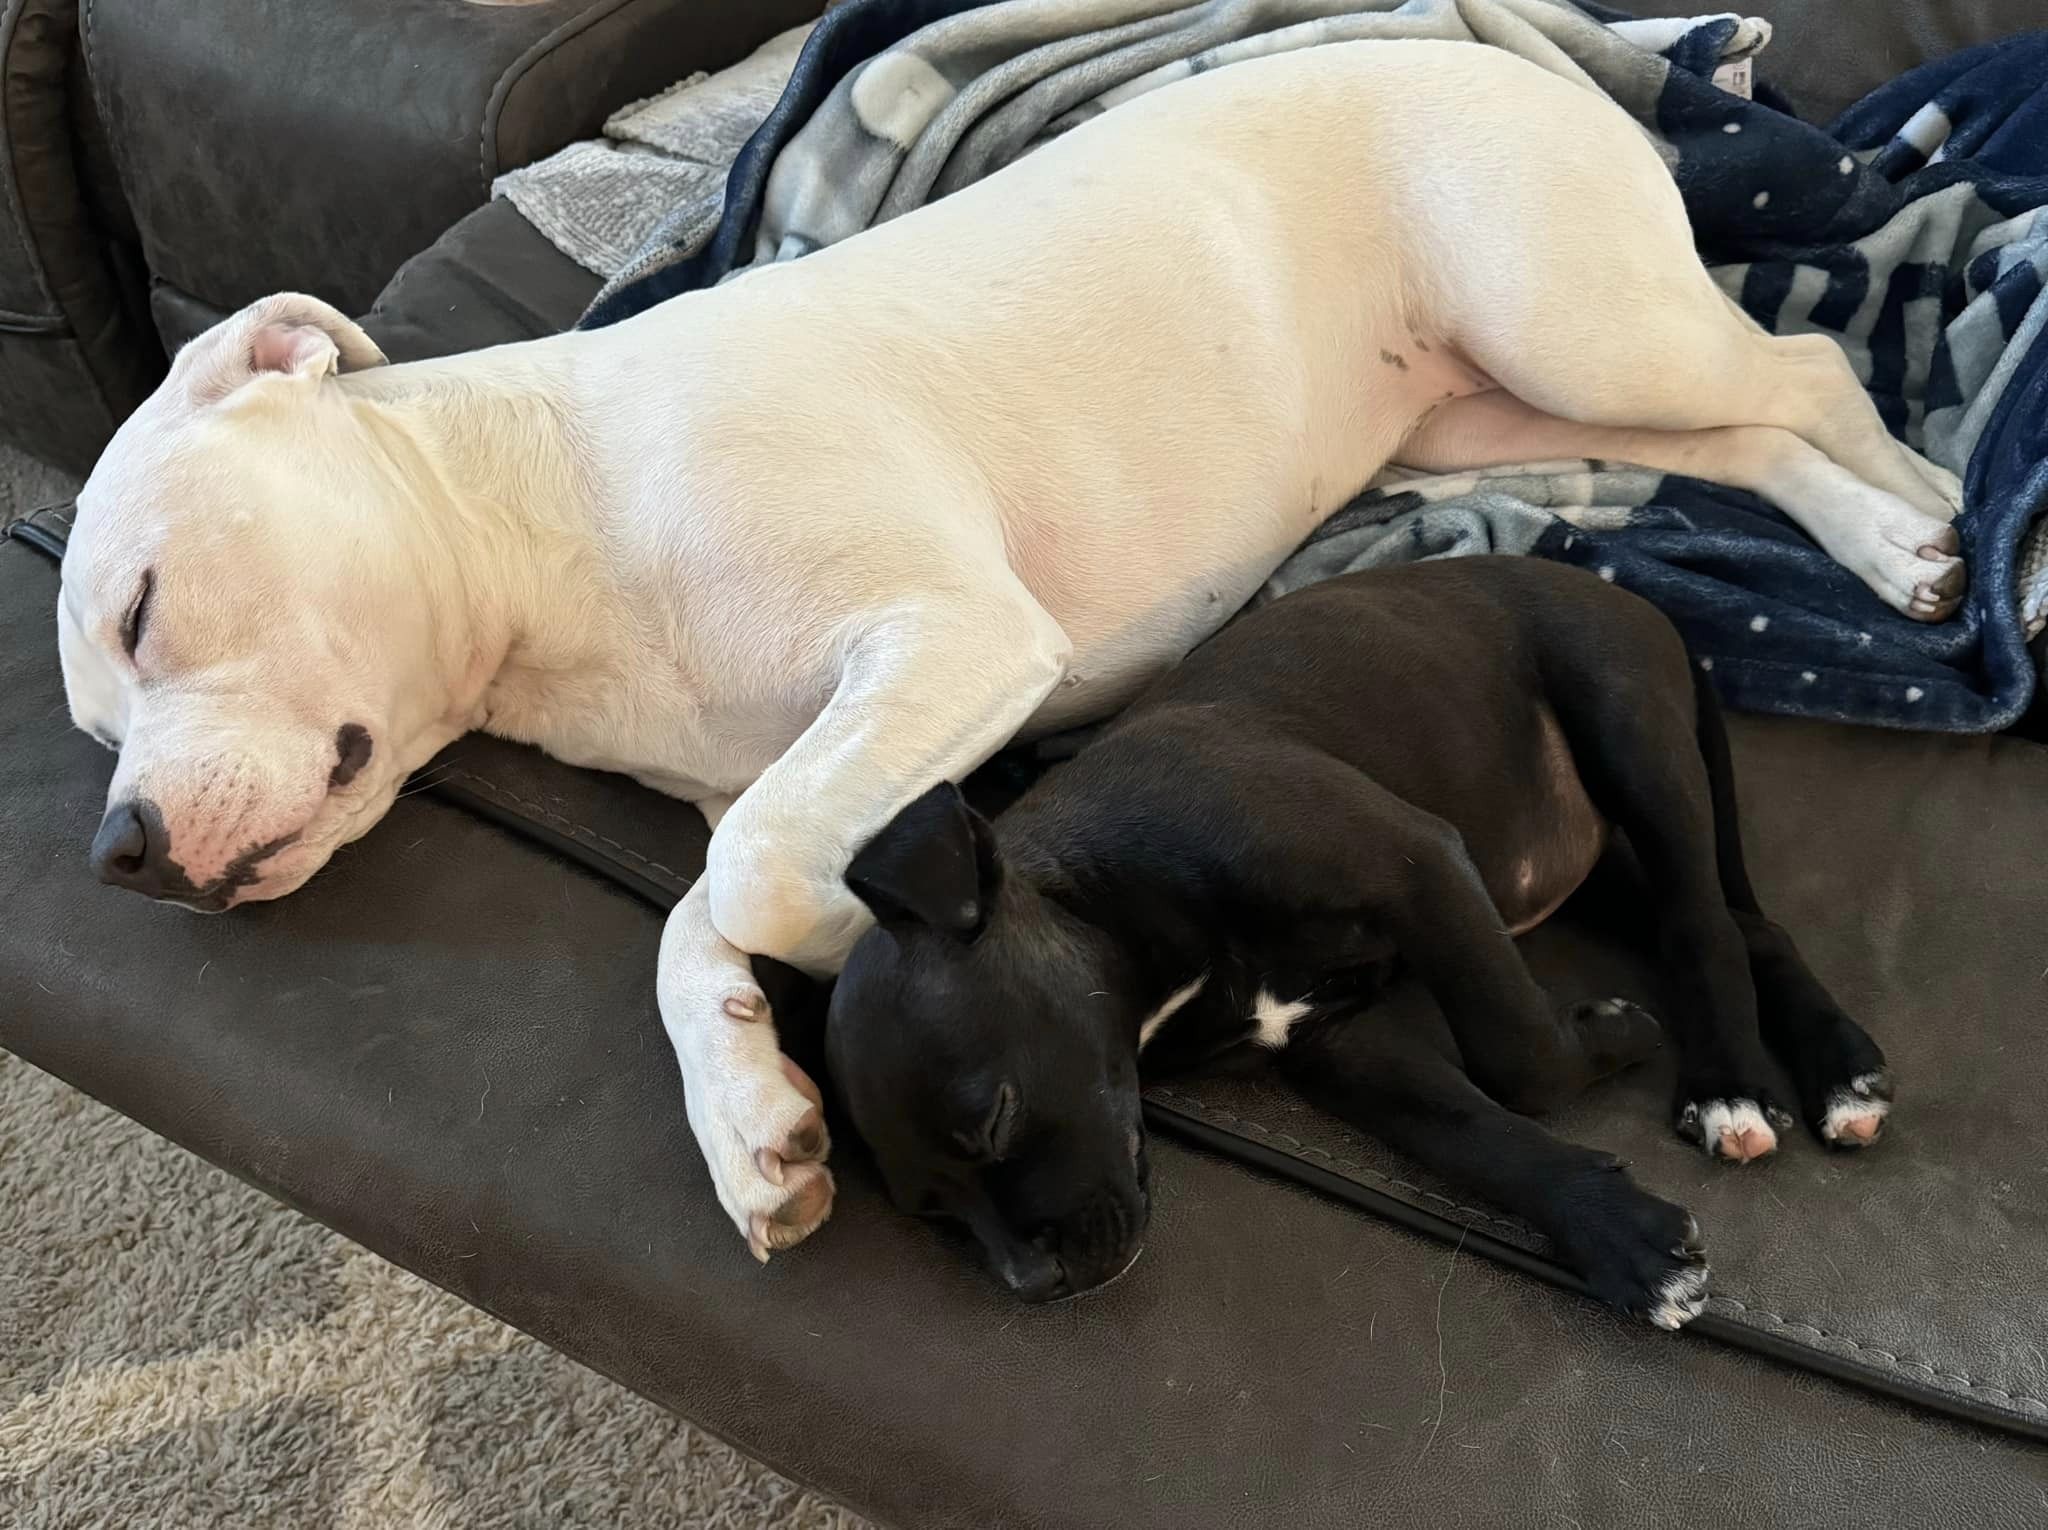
x,y
1409,765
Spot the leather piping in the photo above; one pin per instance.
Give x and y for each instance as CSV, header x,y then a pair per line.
x,y
1162,1110
12,323
10,182
517,70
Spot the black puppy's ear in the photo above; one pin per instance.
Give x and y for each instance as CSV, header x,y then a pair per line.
x,y
935,865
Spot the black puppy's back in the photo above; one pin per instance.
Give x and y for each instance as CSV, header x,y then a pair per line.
x,y
1460,654
1443,682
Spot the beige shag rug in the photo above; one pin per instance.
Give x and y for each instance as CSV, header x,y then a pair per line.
x,y
177,1352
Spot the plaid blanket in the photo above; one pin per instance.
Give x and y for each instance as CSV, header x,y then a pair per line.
x,y
1911,231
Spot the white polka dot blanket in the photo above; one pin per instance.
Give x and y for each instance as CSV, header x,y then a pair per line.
x,y
1911,230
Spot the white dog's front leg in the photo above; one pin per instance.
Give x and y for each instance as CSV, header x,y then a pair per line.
x,y
924,696
758,1118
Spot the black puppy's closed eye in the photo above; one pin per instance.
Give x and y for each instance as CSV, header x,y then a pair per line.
x,y
992,1143
131,625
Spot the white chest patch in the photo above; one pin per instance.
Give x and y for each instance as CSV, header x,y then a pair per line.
x,y
1166,1011
1275,1018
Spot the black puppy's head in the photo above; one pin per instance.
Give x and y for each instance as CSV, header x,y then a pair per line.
x,y
984,1044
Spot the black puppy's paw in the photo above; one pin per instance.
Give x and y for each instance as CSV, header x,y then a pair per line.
x,y
1733,1126
1853,1114
1613,1034
1641,1255
1845,1089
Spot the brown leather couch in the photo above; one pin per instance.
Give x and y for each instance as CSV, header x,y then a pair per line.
x,y
446,1047
161,164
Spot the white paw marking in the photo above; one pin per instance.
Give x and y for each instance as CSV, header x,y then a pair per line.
x,y
1735,1129
1855,1115
1166,1011
1275,1018
1681,1297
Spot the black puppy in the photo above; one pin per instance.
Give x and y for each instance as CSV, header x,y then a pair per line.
x,y
1417,763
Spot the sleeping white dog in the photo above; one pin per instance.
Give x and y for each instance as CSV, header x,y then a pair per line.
x,y
798,547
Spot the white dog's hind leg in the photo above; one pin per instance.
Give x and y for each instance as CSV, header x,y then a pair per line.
x,y
1862,528
1700,369
1608,318
925,695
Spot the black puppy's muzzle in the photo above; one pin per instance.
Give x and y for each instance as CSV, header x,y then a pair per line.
x,y
1086,1252
1033,1274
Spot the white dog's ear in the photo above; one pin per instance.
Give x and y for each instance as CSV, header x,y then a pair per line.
x,y
288,335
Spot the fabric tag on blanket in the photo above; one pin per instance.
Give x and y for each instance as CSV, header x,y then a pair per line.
x,y
1736,77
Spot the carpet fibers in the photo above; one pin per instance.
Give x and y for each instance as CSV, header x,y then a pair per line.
x,y
178,1352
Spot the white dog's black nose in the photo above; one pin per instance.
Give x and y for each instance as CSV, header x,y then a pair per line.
x,y
133,850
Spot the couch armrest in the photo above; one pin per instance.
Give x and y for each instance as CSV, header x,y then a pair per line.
x,y
75,356
317,144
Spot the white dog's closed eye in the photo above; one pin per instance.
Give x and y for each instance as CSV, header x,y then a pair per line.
x,y
138,614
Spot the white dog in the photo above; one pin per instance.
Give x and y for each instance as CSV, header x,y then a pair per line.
x,y
798,547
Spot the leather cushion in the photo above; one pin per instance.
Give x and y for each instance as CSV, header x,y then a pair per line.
x,y
317,146
73,357
446,1047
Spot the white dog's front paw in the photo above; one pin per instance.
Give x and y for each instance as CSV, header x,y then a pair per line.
x,y
760,1122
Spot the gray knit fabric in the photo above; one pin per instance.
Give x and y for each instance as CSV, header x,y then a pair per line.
x,y
598,201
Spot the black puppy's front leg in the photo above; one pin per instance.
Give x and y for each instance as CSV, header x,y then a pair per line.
x,y
1391,1073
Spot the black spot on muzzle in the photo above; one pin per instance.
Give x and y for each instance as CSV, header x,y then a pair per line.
x,y
352,748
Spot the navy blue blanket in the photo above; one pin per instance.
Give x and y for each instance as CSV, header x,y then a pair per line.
x,y
1927,257
1910,231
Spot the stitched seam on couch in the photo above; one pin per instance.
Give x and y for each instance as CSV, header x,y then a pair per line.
x,y
1882,1356
588,835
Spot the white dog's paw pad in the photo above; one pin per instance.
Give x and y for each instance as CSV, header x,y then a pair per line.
x,y
1738,1130
1855,1113
1681,1297
747,1003
803,1212
760,1121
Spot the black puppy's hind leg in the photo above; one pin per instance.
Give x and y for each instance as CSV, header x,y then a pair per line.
x,y
1366,856
1516,1045
1844,1087
1393,1075
1633,741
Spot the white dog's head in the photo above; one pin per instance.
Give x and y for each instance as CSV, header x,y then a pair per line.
x,y
251,617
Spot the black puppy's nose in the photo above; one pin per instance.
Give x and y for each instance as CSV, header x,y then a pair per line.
x,y
1035,1276
126,854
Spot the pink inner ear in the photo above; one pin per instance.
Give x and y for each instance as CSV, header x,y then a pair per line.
x,y
290,348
